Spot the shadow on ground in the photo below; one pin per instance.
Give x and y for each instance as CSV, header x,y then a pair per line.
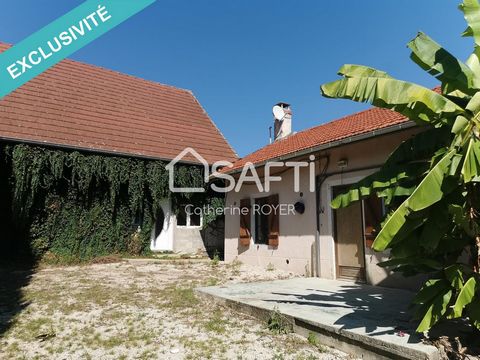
x,y
13,278
370,310
373,311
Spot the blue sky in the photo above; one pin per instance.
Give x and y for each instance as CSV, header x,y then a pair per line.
x,y
240,57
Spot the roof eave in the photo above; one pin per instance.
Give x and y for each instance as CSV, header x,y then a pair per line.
x,y
348,140
95,150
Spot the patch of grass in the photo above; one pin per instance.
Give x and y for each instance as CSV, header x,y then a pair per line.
x,y
29,330
216,323
312,340
279,324
216,259
307,357
235,266
120,311
203,349
179,297
212,281
108,259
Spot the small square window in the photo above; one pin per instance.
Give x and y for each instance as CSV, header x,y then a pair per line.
x,y
186,217
195,220
182,217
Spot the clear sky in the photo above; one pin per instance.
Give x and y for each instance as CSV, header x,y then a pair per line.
x,y
240,57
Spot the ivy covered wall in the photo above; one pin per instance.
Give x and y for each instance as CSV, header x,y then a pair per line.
x,y
74,206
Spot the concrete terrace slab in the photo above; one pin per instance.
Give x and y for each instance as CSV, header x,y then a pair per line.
x,y
359,319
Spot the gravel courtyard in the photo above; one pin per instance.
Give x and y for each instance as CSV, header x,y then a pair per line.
x,y
140,309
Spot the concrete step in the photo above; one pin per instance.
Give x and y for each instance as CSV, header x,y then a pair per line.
x,y
368,322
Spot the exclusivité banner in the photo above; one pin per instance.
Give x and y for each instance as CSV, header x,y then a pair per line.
x,y
61,38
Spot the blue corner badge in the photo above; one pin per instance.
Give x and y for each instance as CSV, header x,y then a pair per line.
x,y
61,38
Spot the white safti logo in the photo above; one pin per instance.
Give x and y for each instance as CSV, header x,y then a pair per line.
x,y
171,171
248,174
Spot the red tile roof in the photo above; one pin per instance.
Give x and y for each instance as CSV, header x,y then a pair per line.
x,y
351,125
87,107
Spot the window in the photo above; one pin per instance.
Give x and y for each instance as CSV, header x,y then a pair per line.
x,y
266,220
187,218
373,214
195,220
182,217
261,221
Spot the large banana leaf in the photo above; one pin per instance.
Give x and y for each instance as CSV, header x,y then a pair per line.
x,y
378,182
453,73
454,274
405,163
435,311
471,12
414,101
428,291
471,164
465,296
474,104
436,226
350,70
473,61
427,193
474,312
430,230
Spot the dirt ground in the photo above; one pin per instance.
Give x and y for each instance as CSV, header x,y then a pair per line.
x,y
140,309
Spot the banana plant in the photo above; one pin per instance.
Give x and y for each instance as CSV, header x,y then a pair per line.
x,y
431,182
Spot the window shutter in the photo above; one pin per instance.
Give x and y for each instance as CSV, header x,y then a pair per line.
x,y
245,233
273,221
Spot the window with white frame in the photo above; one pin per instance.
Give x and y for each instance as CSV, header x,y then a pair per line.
x,y
188,217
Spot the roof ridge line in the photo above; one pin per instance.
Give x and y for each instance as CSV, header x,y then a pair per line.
x,y
100,67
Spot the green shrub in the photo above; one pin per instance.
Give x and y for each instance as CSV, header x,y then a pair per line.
x,y
279,324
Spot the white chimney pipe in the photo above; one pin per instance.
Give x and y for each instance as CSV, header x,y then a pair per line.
x,y
282,121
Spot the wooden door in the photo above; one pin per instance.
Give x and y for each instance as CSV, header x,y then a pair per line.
x,y
349,240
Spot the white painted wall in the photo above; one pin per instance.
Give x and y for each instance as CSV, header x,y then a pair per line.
x,y
297,232
164,242
176,238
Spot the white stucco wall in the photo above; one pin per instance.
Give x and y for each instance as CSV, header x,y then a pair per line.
x,y
179,239
295,251
164,241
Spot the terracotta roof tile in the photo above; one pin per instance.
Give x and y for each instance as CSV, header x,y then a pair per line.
x,y
351,125
82,106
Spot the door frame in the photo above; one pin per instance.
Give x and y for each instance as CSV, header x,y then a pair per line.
x,y
362,258
339,180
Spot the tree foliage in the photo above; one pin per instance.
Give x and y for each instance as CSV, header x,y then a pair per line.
x,y
430,183
78,205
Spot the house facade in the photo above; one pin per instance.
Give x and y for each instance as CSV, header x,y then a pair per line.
x,y
85,108
316,240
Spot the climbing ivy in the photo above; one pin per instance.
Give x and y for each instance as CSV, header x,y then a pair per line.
x,y
79,205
